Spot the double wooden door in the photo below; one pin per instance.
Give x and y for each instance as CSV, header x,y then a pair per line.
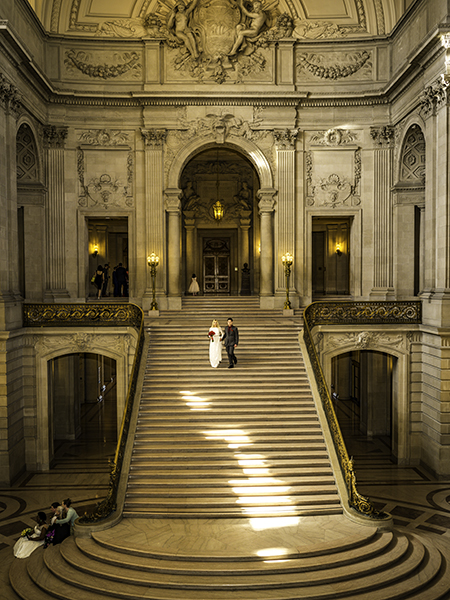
x,y
216,266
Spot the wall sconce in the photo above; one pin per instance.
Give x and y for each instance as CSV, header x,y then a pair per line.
x,y
287,261
338,249
153,262
218,210
95,250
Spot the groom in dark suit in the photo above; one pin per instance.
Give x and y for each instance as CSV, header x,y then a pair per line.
x,y
231,339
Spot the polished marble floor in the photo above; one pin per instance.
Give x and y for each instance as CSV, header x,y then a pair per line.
x,y
417,501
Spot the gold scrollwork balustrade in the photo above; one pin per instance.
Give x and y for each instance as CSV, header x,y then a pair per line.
x,y
351,313
98,315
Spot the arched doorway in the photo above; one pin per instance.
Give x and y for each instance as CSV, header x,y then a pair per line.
x,y
82,403
364,390
220,222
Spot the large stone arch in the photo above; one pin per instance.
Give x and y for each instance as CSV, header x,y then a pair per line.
x,y
394,343
118,346
249,149
265,194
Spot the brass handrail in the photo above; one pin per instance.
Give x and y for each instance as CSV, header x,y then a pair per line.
x,y
97,315
351,313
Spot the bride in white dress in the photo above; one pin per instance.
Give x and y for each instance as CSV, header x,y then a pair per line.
x,y
215,345
26,544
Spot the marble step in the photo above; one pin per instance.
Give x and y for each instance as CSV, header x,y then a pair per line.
x,y
398,568
304,453
155,483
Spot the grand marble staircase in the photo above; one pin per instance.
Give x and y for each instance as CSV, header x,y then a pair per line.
x,y
231,494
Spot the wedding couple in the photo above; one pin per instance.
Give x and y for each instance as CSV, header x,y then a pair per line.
x,y
231,339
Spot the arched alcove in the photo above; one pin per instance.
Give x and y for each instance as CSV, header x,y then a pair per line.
x,y
30,214
409,214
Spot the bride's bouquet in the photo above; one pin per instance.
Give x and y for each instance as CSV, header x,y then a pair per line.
x,y
211,335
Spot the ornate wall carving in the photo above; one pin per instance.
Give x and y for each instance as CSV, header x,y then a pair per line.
x,y
333,189
105,181
10,97
412,162
434,96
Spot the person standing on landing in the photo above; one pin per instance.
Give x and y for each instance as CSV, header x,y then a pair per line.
x,y
231,339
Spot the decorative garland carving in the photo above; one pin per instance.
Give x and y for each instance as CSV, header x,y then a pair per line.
x,y
103,137
316,64
354,313
128,61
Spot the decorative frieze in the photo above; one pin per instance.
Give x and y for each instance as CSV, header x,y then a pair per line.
x,y
333,137
81,342
104,137
365,340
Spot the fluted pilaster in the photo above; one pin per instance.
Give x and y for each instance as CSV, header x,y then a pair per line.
x,y
154,183
54,138
173,209
285,214
383,212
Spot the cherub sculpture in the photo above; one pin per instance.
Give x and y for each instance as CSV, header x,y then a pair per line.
x,y
179,22
258,18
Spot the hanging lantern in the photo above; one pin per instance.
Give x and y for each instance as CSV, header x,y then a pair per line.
x,y
218,210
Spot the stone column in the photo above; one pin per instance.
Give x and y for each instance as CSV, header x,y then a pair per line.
x,y
383,283
189,225
266,208
244,243
173,209
154,140
54,138
285,214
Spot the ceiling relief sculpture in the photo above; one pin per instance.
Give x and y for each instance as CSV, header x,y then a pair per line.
x,y
312,19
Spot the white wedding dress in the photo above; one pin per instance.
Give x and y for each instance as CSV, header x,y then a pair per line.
x,y
24,547
215,347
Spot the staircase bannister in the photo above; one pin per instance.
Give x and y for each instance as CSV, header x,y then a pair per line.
x,y
351,313
97,315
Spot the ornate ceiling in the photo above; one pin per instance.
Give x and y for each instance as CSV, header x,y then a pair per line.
x,y
313,19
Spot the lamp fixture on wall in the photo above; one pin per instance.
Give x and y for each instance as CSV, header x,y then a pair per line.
x,y
153,262
338,249
287,261
218,206
95,250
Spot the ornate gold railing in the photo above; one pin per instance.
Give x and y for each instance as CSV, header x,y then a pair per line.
x,y
97,315
352,313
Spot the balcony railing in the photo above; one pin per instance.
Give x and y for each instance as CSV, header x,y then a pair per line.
x,y
352,313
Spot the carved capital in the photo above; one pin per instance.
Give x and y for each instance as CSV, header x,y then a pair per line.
x,y
54,137
434,96
285,139
383,136
10,97
172,202
266,200
154,138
